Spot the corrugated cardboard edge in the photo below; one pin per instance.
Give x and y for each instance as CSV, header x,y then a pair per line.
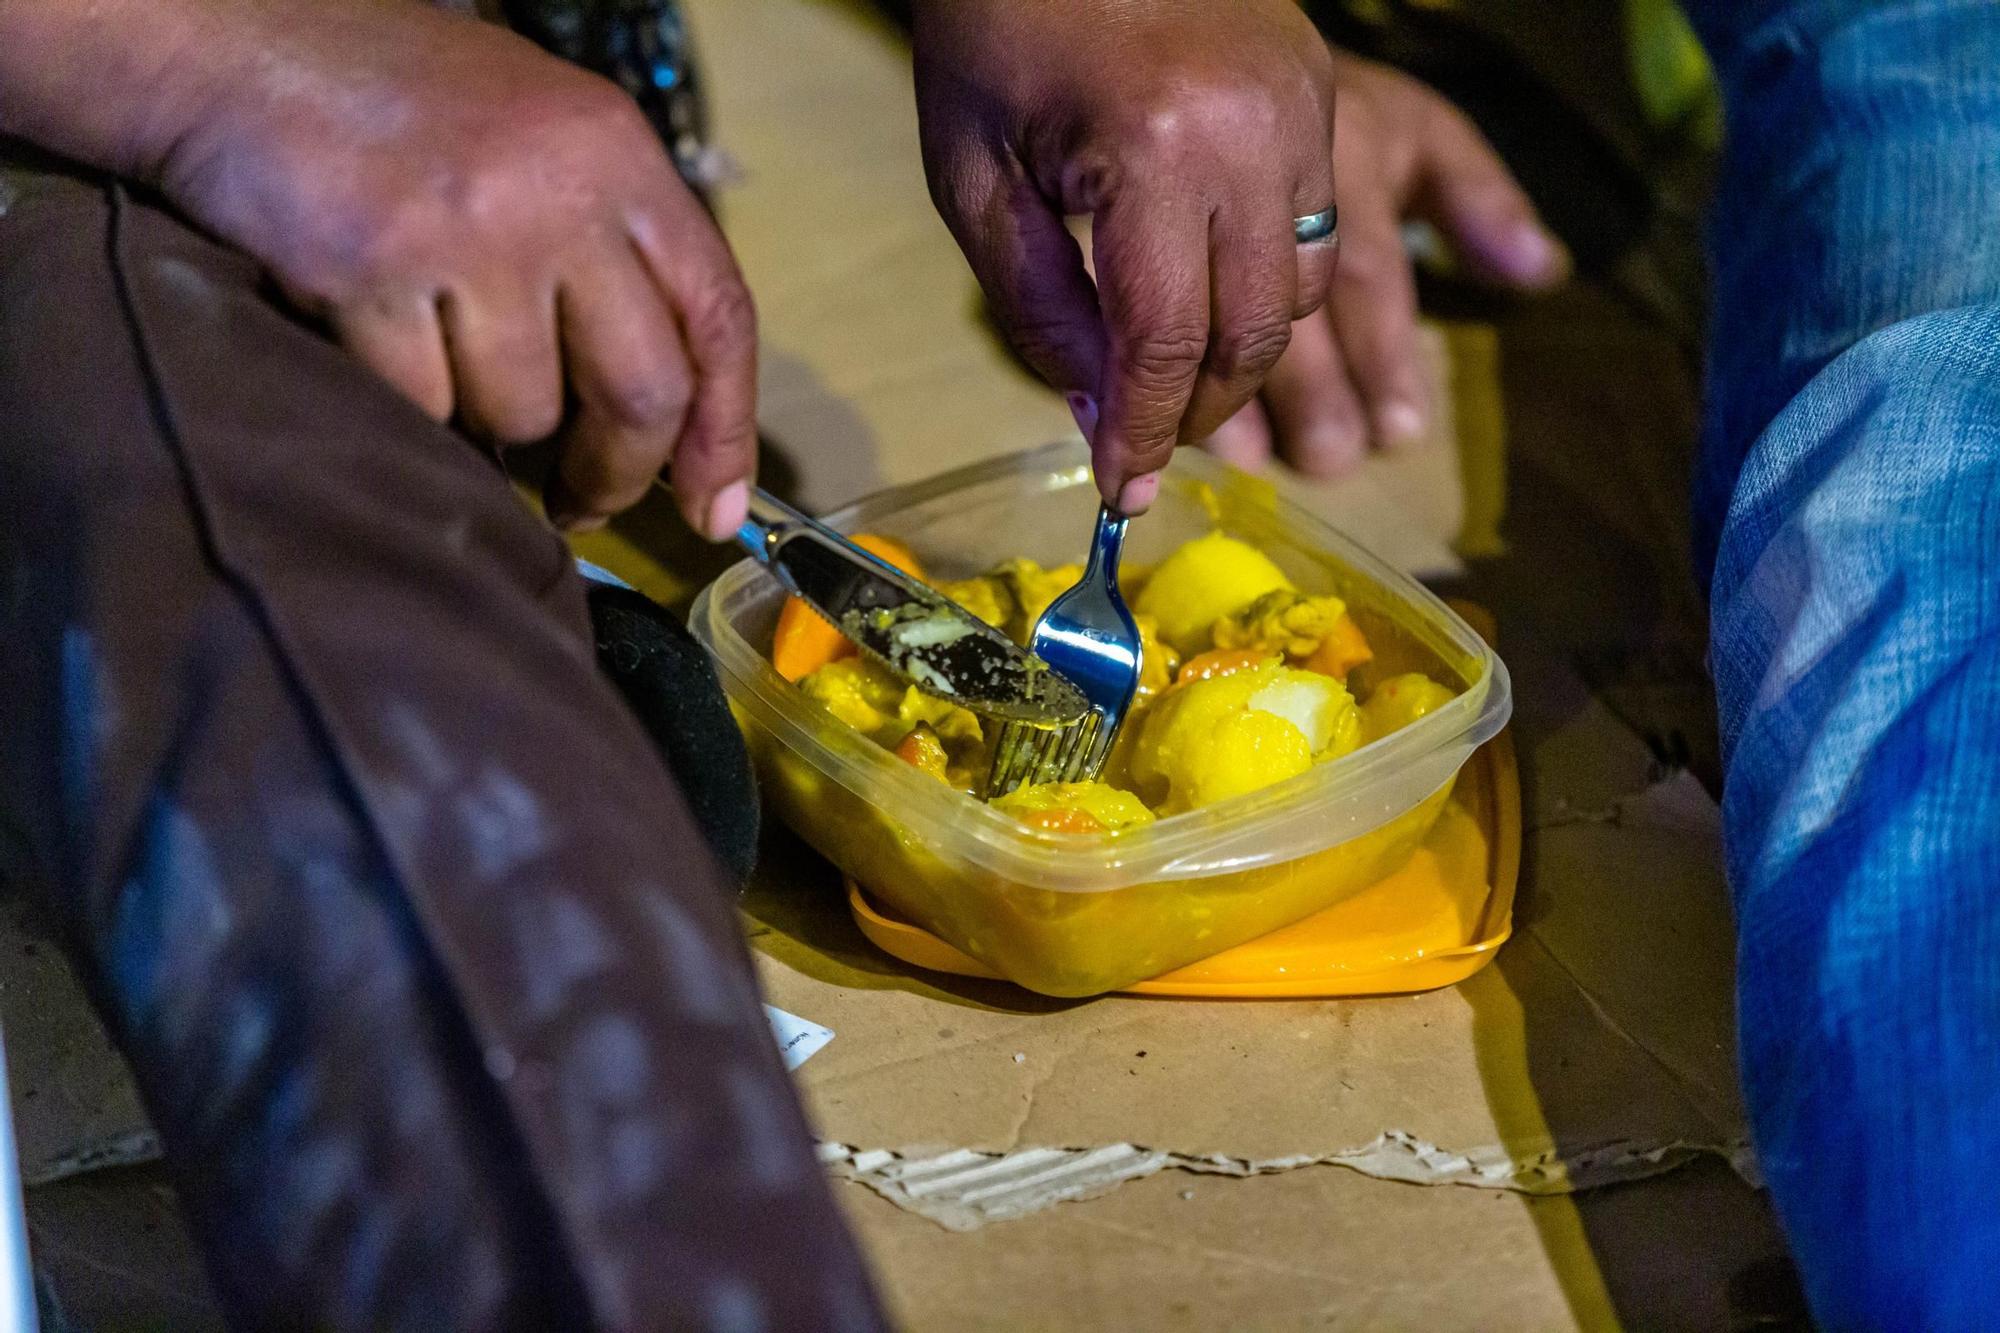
x,y
964,1190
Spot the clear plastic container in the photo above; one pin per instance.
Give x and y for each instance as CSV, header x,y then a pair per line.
x,y
1068,914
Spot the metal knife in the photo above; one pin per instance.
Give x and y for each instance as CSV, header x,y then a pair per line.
x,y
908,626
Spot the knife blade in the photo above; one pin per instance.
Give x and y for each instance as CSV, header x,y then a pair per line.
x,y
905,624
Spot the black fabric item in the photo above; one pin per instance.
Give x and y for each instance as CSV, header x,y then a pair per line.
x,y
667,678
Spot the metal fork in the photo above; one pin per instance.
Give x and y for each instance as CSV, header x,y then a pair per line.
x,y
1088,637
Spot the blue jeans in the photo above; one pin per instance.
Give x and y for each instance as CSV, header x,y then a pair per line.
x,y
1850,498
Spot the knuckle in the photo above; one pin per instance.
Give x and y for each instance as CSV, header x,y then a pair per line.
x,y
1092,175
1046,341
580,113
725,312
1246,353
1200,113
705,460
656,402
1163,360
1162,126
1151,453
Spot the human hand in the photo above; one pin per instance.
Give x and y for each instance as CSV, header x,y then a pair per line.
x,y
493,231
1191,133
1352,375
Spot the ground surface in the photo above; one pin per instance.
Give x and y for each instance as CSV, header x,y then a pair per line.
x,y
1600,399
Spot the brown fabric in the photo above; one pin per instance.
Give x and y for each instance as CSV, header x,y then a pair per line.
x,y
435,993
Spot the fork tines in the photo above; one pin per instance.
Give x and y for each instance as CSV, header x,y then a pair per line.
x,y
1026,754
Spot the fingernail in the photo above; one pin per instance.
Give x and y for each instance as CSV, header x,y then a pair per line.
x,y
1401,423
1138,494
1084,408
727,511
1533,255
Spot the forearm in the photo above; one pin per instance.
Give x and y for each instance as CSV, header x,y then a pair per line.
x,y
121,84
113,83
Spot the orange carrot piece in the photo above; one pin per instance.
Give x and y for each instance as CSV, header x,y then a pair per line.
x,y
923,751
1221,662
805,641
1341,651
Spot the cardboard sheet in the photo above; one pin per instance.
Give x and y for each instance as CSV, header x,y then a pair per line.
x,y
1597,1049
74,1104
1215,1164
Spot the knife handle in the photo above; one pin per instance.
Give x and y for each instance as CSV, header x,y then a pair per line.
x,y
771,520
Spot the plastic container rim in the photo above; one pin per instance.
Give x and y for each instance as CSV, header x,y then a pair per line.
x,y
1170,847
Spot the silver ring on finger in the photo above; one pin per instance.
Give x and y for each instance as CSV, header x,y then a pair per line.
x,y
1317,228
